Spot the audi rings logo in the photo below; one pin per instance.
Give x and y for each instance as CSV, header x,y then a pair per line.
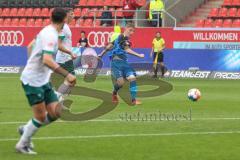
x,y
99,39
11,38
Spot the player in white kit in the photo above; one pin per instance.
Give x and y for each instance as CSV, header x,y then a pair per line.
x,y
36,81
65,56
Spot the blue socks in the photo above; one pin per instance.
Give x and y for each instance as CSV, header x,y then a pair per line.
x,y
133,90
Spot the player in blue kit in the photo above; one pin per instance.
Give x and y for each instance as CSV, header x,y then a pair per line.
x,y
121,70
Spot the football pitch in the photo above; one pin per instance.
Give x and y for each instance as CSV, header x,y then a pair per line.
x,y
205,130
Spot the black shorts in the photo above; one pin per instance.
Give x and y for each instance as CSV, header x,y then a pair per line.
x,y
159,58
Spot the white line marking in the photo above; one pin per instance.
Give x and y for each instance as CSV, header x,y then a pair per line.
x,y
119,120
124,135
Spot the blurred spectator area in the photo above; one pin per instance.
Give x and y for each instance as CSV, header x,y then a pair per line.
x,y
214,14
37,12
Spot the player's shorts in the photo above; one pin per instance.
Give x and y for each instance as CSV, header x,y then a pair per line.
x,y
121,69
36,95
159,58
69,66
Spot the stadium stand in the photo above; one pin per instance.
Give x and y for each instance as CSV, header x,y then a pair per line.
x,y
215,13
37,12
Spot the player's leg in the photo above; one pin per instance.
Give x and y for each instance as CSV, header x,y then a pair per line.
x,y
130,75
65,88
32,126
162,65
53,106
155,64
117,78
38,97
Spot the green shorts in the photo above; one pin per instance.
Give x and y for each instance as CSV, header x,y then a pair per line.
x,y
68,66
36,95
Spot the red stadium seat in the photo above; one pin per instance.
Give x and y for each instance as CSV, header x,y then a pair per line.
x,y
142,2
30,22
73,23
218,23
214,12
236,3
116,3
7,22
108,3
21,12
50,12
38,22
77,12
37,12
46,22
15,22
227,23
208,23
97,23
80,22
91,3
0,11
232,12
5,12
29,12
99,13
45,12
200,23
85,12
238,13
1,21
82,3
88,23
236,23
22,22
93,11
119,12
227,3
223,12
99,3
13,12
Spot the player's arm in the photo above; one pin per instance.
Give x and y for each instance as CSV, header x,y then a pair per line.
x,y
130,51
30,47
107,48
126,46
63,49
49,61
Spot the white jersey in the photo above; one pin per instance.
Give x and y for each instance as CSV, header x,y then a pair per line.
x,y
66,37
35,73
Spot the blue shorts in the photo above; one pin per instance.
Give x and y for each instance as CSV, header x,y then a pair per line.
x,y
121,69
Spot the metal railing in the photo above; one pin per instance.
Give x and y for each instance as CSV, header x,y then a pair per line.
x,y
139,19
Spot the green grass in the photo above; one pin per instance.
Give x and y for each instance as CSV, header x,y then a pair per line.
x,y
212,134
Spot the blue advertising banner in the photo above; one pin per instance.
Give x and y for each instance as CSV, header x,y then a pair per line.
x,y
175,59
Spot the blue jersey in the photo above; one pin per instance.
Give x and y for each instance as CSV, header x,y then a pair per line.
x,y
120,44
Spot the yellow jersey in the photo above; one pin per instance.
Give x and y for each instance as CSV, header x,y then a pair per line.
x,y
158,44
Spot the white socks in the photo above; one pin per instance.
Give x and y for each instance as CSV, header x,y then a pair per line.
x,y
29,130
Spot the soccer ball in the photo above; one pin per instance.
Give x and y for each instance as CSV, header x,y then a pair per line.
x,y
194,94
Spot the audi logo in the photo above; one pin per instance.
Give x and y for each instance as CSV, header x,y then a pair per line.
x,y
99,39
11,38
